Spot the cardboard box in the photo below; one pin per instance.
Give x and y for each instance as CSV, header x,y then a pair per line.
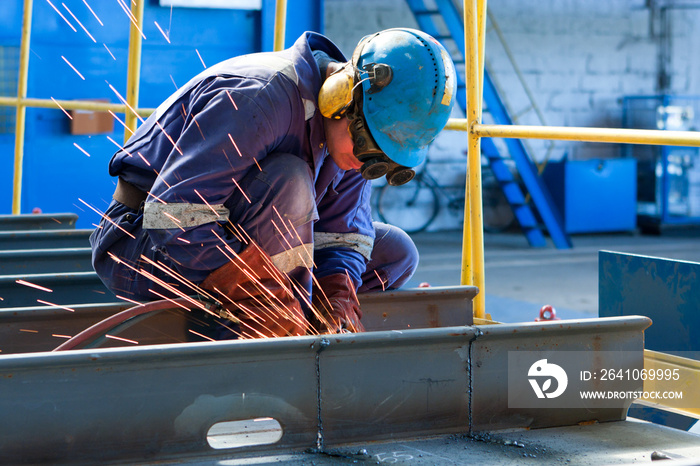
x,y
91,122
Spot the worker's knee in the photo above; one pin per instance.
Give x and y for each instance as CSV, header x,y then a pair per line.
x,y
394,259
284,182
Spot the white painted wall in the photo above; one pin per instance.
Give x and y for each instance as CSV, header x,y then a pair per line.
x,y
578,58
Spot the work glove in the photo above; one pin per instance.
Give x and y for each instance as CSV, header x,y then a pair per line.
x,y
257,296
335,304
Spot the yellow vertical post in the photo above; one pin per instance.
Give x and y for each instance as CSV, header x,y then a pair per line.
x,y
473,242
133,74
280,23
21,109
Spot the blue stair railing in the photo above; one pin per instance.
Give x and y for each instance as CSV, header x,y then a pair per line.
x,y
443,21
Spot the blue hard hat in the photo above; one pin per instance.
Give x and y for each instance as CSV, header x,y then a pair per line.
x,y
407,114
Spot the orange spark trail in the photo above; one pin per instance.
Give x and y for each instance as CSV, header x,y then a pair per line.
x,y
119,146
33,285
200,335
64,110
120,121
183,240
143,158
128,300
380,279
69,64
161,31
28,331
234,145
131,17
123,100
256,163
198,127
231,99
121,339
169,138
205,201
157,198
67,337
93,13
55,305
169,299
61,15
81,149
79,23
200,58
109,51
241,190
107,218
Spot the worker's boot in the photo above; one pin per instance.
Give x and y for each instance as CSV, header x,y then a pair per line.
x,y
336,308
257,296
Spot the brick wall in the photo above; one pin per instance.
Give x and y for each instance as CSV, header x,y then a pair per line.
x,y
578,58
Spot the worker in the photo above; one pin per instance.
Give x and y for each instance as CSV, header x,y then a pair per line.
x,y
251,184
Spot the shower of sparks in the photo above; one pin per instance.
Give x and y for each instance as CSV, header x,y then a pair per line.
x,y
101,214
28,331
67,337
119,146
55,305
74,69
200,58
380,279
61,15
128,300
59,106
161,31
241,190
79,23
200,335
122,339
81,149
132,18
109,51
33,285
231,99
143,158
93,13
234,145
120,121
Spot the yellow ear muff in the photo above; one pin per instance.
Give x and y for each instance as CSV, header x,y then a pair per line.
x,y
335,95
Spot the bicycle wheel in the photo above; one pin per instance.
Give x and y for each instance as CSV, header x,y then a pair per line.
x,y
497,213
411,207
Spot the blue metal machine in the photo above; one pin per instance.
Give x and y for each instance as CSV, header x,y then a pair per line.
x,y
668,177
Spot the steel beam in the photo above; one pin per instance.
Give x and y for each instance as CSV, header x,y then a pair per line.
x,y
55,260
56,288
157,403
32,329
38,222
42,239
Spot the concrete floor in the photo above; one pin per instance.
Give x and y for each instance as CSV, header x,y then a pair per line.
x,y
521,279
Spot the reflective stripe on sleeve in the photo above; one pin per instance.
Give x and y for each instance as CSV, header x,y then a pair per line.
x,y
157,216
300,256
355,241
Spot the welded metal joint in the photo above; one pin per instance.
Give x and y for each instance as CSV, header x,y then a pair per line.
x,y
323,343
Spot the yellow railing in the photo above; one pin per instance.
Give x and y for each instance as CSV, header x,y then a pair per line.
x,y
473,248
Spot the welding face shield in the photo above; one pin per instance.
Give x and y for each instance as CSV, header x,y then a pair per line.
x,y
397,92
